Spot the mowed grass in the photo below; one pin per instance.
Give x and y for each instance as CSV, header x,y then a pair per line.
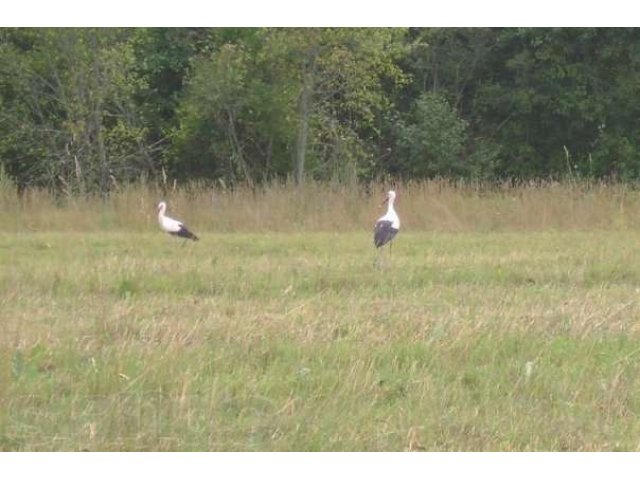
x,y
299,342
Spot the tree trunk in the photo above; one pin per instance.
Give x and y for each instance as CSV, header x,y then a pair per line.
x,y
303,129
101,150
238,156
304,112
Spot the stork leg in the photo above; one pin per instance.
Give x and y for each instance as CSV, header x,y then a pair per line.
x,y
380,262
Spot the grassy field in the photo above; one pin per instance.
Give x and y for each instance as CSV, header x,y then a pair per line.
x,y
472,340
507,319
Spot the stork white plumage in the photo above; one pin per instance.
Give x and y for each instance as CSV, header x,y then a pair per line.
x,y
388,225
172,226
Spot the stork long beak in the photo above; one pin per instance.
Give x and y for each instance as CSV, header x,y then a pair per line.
x,y
385,201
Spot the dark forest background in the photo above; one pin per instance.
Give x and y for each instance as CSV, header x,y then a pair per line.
x,y
83,110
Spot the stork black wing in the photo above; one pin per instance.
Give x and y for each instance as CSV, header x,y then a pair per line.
x,y
185,233
383,233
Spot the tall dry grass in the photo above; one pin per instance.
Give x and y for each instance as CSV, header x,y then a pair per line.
x,y
435,205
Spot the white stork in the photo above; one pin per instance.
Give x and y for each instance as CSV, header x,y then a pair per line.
x,y
387,225
172,226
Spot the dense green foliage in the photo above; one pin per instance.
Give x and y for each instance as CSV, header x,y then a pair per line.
x,y
86,109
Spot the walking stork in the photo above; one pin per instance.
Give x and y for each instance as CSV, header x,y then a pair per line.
x,y
172,226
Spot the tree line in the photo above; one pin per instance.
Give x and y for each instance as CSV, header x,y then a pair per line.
x,y
83,110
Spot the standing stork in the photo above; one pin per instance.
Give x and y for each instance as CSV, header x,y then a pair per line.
x,y
388,225
172,226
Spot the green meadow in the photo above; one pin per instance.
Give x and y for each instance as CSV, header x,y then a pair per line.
x,y
468,340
